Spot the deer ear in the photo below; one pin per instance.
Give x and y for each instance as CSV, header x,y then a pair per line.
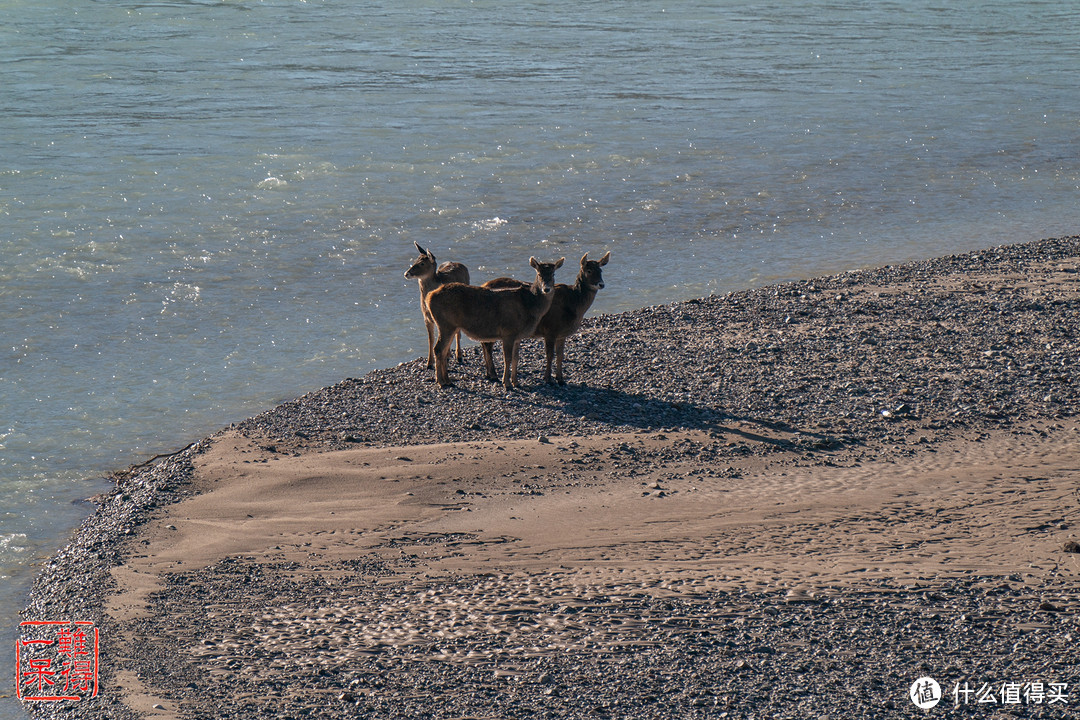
x,y
584,259
559,262
603,260
534,263
422,250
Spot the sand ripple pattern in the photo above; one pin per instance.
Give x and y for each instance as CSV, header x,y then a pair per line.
x,y
488,620
557,646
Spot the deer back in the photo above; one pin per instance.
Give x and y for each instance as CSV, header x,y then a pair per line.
x,y
504,283
486,314
451,272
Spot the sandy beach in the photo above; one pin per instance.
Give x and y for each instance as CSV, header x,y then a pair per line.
x,y
789,502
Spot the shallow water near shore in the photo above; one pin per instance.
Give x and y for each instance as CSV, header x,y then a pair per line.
x,y
208,207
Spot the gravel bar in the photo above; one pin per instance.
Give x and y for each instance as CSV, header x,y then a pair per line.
x,y
886,361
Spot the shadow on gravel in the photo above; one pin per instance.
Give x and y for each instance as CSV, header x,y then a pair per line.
x,y
627,411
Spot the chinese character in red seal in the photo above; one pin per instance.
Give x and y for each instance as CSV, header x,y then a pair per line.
x,y
56,660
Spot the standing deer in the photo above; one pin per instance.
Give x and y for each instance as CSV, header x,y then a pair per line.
x,y
432,277
489,315
568,307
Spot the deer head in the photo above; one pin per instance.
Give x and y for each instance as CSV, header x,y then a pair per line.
x,y
423,266
545,273
590,276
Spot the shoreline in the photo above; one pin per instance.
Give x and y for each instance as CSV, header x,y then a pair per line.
x,y
864,391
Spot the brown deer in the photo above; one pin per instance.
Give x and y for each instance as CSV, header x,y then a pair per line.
x,y
430,276
489,315
563,318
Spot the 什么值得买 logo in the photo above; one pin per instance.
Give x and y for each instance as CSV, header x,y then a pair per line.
x,y
926,693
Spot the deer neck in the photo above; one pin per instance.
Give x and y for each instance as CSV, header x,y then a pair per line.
x,y
583,290
428,283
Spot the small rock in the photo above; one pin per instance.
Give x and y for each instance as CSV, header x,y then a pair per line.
x,y
1071,546
798,595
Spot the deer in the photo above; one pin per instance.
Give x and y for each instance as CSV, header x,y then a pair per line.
x,y
488,315
430,277
568,307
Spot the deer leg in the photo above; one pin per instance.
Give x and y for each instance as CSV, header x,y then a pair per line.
x,y
430,325
510,353
549,352
560,347
489,363
460,357
442,356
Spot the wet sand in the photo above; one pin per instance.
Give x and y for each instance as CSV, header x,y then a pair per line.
x,y
906,507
